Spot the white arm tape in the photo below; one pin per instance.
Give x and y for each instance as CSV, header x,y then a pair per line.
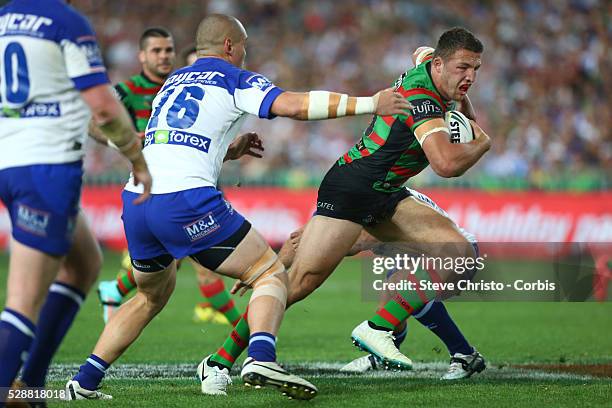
x,y
365,104
324,105
318,105
342,105
434,130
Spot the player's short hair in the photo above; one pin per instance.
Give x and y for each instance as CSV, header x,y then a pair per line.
x,y
152,32
457,38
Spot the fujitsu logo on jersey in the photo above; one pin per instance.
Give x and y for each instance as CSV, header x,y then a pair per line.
x,y
425,106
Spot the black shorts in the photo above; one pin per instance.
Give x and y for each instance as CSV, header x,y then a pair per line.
x,y
345,194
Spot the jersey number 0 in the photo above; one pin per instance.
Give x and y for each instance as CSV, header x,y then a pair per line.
x,y
15,72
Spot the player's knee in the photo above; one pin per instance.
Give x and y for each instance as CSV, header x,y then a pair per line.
x,y
82,271
304,283
273,285
205,276
154,299
94,266
267,277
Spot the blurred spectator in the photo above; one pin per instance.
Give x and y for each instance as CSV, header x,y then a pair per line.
x,y
542,92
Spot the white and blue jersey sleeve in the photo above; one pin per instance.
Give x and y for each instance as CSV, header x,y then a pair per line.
x,y
255,94
196,115
48,54
82,55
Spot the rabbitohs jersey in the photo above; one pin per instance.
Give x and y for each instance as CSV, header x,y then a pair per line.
x,y
389,153
196,115
137,94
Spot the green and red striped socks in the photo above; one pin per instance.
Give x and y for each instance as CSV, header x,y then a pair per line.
x,y
126,282
404,303
235,344
220,299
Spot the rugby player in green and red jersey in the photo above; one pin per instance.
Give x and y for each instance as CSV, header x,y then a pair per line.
x,y
157,56
365,190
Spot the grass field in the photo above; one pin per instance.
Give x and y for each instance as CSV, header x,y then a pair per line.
x,y
159,369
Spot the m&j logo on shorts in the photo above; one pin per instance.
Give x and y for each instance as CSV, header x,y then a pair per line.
x,y
32,220
174,137
201,227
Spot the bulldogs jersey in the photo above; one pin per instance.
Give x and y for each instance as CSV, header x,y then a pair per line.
x,y
48,53
196,115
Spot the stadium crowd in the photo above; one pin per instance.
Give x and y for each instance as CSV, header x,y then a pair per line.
x,y
542,93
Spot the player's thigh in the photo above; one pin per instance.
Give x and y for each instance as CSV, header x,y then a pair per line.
x,y
324,243
416,222
42,201
157,285
84,260
249,251
30,275
418,229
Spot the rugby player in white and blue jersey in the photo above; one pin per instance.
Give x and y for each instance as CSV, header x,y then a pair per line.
x,y
52,75
196,115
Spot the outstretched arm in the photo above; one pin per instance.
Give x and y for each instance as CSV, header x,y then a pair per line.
x,y
316,105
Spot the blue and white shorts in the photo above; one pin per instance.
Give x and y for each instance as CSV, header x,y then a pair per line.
x,y
180,224
43,203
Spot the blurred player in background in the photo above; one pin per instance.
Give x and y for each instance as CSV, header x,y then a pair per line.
x,y
157,56
56,80
196,116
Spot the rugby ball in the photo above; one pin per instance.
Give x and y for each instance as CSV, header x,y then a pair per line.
x,y
459,127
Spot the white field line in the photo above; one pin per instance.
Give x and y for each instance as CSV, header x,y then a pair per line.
x,y
432,370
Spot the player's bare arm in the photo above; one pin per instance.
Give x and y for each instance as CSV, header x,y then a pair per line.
x,y
450,159
115,124
316,105
96,134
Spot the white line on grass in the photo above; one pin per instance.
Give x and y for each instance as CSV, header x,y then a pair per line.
x,y
432,370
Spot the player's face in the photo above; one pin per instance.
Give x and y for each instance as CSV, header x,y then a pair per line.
x,y
158,57
458,74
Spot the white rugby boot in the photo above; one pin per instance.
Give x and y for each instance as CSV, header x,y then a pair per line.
x,y
463,366
361,365
214,379
110,298
265,373
74,391
379,343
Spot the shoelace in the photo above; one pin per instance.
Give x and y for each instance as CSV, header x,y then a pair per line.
x,y
221,378
455,366
390,336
